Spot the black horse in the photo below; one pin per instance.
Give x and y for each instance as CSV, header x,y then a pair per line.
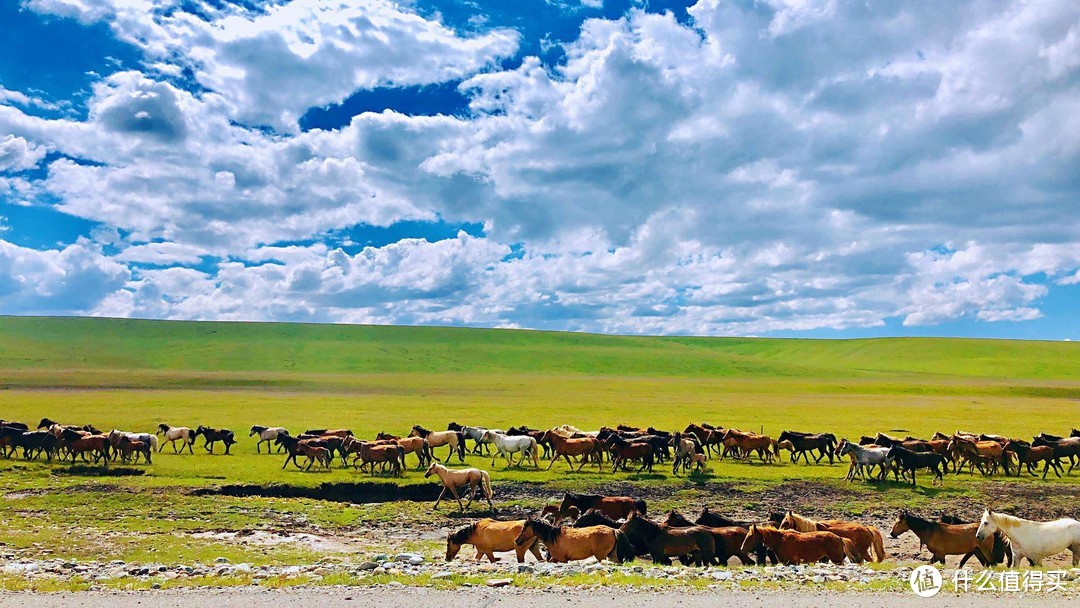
x,y
804,443
907,461
213,436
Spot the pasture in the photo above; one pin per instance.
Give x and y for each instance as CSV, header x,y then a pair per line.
x,y
134,375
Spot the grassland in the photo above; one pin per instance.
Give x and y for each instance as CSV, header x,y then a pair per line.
x,y
136,374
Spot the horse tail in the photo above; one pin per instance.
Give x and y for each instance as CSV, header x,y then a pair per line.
x,y
640,506
461,445
485,480
426,451
877,545
623,549
153,442
850,551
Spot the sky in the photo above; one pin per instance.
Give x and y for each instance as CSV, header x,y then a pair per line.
x,y
803,168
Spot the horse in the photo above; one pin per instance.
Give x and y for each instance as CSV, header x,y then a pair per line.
x,y
686,447
615,507
866,539
33,443
751,442
128,447
862,456
315,453
1030,456
1068,447
292,447
412,445
342,433
728,539
212,436
800,547
517,431
172,434
594,517
695,543
454,439
454,479
569,544
508,446
564,447
81,444
392,454
488,536
149,439
986,455
267,434
476,433
908,462
623,451
46,424
943,539
714,520
804,443
1033,539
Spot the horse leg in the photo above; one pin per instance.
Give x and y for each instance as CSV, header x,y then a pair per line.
x,y
552,461
441,494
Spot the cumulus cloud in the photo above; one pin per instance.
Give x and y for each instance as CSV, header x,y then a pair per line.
x,y
767,166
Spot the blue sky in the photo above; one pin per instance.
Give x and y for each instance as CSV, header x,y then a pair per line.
x,y
810,168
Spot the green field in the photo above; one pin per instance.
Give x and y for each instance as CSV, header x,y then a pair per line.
x,y
136,374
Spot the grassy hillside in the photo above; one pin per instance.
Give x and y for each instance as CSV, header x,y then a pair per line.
x,y
110,344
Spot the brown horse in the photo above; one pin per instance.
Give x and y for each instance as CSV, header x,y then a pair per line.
x,y
129,447
623,451
569,544
315,454
708,438
82,443
865,538
751,442
390,454
1030,456
943,539
800,547
585,447
489,536
694,544
412,445
615,507
728,539
986,455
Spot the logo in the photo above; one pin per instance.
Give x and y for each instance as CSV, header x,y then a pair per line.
x,y
925,581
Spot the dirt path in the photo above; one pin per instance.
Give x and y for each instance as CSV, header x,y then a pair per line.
x,y
493,598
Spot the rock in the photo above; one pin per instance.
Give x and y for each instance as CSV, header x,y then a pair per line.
x,y
818,579
594,568
499,582
367,566
393,571
722,575
221,560
156,586
381,557
395,584
525,569
408,557
441,575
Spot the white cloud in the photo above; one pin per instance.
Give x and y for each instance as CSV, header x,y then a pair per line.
x,y
17,154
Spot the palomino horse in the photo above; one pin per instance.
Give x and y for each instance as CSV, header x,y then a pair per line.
x,y
751,442
172,434
454,439
508,446
943,539
454,480
865,538
267,435
1034,540
489,536
569,544
696,543
800,547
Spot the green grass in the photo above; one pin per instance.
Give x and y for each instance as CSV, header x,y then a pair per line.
x,y
136,374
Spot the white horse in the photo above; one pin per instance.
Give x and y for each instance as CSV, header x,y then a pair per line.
x,y
267,434
508,446
864,457
173,434
1033,539
454,480
569,430
116,435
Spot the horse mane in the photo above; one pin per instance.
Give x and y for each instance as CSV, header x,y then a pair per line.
x,y
802,524
462,535
546,532
678,519
1006,521
920,524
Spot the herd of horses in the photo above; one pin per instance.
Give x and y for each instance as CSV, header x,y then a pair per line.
x,y
618,529
620,448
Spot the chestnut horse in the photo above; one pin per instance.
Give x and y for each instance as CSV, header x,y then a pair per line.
x,y
943,539
865,538
695,543
615,507
728,539
800,547
585,447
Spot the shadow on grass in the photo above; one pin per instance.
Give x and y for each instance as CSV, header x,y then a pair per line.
x,y
82,470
